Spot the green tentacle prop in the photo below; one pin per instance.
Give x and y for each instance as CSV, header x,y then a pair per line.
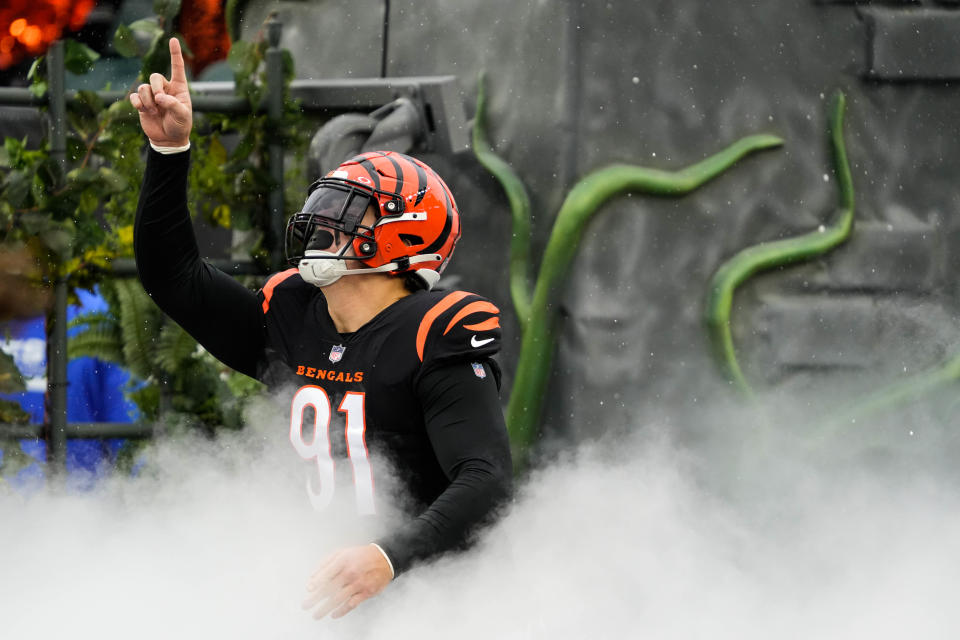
x,y
770,255
585,199
519,208
893,395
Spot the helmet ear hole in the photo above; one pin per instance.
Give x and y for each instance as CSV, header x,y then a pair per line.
x,y
410,240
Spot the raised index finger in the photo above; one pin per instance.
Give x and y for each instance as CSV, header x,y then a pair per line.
x,y
177,72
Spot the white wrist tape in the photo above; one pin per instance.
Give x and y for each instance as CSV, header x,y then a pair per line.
x,y
392,572
169,150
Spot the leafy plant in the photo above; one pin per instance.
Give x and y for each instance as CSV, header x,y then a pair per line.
x,y
169,370
237,148
11,381
76,217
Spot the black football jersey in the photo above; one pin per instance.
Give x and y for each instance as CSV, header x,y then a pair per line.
x,y
414,388
355,397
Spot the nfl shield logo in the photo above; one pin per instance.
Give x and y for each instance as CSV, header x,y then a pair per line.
x,y
478,370
337,353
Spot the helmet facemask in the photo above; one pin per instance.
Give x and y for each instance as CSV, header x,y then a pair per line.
x,y
332,210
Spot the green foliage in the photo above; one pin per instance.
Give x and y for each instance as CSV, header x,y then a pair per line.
x,y
12,413
78,57
75,214
78,217
37,77
230,178
11,380
136,39
14,459
246,61
166,9
168,366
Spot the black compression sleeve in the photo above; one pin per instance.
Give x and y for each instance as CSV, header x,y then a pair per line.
x,y
466,428
220,313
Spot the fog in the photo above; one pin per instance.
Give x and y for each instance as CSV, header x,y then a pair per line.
x,y
738,529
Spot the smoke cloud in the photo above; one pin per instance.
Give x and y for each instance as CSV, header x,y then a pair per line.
x,y
737,528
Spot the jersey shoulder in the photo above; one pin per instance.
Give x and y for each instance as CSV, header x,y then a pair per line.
x,y
453,325
285,287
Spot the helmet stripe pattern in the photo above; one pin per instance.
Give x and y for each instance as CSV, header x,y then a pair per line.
x,y
421,182
370,169
445,232
444,235
413,174
399,173
442,238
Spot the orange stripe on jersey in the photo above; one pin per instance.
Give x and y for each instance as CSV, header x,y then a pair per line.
x,y
473,307
448,301
274,280
486,325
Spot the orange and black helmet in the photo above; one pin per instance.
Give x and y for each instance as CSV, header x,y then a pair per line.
x,y
417,223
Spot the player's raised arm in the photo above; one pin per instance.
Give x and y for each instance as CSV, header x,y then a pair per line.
x,y
166,113
220,313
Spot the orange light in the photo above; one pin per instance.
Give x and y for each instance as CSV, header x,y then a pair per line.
x,y
80,12
32,36
34,24
17,27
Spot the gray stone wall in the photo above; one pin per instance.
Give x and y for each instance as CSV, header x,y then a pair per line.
x,y
575,86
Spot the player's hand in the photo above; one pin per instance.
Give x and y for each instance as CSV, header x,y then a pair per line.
x,y
166,113
345,579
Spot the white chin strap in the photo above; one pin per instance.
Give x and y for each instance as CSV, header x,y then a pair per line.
x,y
322,268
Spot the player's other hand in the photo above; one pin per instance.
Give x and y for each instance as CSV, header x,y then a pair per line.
x,y
166,113
345,579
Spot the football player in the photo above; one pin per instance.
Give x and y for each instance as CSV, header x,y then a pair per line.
x,y
381,367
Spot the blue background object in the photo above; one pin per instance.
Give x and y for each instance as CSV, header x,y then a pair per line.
x,y
94,394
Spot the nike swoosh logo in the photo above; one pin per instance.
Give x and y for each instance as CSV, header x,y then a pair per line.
x,y
479,343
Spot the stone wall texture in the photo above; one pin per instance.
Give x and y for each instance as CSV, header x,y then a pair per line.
x,y
576,86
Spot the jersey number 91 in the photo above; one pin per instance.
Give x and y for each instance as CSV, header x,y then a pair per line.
x,y
318,448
